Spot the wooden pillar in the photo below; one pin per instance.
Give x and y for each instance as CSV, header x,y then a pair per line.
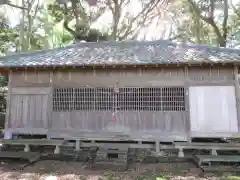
x,y
237,94
8,109
187,108
50,104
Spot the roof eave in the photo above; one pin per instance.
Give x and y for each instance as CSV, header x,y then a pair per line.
x,y
9,68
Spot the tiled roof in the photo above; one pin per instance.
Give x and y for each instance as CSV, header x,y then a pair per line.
x,y
120,53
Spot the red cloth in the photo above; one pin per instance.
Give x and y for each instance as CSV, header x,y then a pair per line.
x,y
113,116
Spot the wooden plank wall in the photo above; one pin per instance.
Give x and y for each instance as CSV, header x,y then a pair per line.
x,y
126,121
128,77
29,111
107,77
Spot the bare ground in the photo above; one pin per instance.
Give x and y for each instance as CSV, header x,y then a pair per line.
x,y
43,170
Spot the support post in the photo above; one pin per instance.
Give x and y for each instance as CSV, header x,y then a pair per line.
x,y
237,94
26,148
157,146
214,152
77,148
159,152
187,109
180,152
8,109
57,150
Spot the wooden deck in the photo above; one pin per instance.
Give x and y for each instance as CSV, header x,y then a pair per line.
x,y
207,146
149,136
39,142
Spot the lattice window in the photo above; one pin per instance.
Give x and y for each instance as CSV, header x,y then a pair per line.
x,y
151,99
85,99
127,99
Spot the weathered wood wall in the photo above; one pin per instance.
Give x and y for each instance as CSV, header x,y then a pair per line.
x,y
38,105
129,77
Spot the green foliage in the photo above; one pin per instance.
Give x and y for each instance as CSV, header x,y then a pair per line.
x,y
3,97
81,31
56,11
8,35
3,100
234,24
191,26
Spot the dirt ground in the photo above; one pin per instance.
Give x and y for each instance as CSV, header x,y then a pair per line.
x,y
59,170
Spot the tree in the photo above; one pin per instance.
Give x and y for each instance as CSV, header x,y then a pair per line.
x,y
48,34
8,2
8,35
234,23
37,30
206,11
29,9
77,11
187,25
126,24
203,21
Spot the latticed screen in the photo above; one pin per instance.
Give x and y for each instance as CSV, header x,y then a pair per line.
x,y
126,99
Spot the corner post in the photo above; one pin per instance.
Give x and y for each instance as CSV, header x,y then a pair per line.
x,y
237,94
8,109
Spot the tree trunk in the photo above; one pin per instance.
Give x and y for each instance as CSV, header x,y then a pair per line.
x,y
22,33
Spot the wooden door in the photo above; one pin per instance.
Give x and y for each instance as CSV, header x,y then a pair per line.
x,y
213,109
29,108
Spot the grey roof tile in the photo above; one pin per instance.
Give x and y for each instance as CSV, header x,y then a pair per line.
x,y
126,52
